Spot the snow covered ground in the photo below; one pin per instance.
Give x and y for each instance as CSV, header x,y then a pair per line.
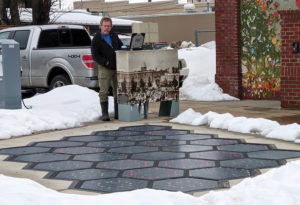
x,y
200,84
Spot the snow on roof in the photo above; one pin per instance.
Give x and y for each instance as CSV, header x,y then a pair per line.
x,y
84,17
77,16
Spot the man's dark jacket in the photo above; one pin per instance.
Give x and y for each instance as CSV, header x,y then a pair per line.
x,y
103,53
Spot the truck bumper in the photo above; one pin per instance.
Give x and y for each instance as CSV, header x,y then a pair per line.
x,y
90,82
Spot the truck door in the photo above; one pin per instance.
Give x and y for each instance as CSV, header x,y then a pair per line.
x,y
22,37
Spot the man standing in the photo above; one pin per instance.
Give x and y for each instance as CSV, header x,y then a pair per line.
x,y
104,45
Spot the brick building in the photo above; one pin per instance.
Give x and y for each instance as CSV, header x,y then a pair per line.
x,y
254,49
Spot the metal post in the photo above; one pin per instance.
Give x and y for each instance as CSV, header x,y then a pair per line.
x,y
196,38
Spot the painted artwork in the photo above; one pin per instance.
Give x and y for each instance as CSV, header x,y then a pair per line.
x,y
261,49
149,75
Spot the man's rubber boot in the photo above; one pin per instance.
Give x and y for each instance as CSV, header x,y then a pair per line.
x,y
116,110
104,107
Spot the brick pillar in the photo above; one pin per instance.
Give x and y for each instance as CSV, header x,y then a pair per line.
x,y
290,75
228,52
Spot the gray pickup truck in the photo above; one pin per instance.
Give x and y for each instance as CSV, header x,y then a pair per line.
x,y
53,56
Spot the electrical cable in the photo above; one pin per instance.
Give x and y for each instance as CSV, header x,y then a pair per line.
x,y
29,106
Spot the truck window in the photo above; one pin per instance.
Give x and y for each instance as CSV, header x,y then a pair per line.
x,y
48,39
22,38
4,35
64,37
80,37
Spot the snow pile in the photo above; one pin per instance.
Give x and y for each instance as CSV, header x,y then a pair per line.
x,y
61,108
185,44
26,192
260,126
200,84
277,186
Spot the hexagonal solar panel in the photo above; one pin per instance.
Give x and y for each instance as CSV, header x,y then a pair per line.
x,y
243,147
89,138
42,157
133,149
215,142
161,143
148,156
185,184
58,144
62,165
140,137
125,164
167,132
99,157
144,128
114,185
186,163
158,155
118,143
86,174
187,148
153,173
189,137
116,133
23,150
275,154
220,173
78,150
217,155
249,163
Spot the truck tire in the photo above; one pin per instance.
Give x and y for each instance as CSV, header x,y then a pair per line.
x,y
59,81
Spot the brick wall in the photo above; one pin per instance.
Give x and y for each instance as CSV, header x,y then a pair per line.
x,y
228,61
290,77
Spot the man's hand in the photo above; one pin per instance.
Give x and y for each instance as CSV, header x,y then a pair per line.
x,y
107,63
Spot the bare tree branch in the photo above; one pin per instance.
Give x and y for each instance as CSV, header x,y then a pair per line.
x,y
3,13
40,11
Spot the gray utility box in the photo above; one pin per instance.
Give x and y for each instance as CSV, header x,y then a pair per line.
x,y
10,75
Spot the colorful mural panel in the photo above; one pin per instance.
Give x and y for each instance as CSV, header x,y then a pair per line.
x,y
261,49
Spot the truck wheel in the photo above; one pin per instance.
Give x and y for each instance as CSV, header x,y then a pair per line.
x,y
59,81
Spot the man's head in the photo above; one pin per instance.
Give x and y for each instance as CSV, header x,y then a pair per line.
x,y
105,25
